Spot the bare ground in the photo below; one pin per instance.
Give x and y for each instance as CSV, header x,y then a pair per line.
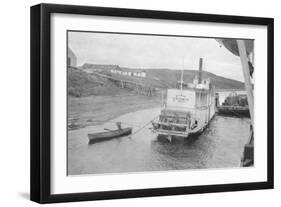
x,y
96,110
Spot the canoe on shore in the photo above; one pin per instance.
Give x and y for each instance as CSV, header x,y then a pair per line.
x,y
102,136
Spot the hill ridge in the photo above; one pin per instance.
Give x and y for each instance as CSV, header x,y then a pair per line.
x,y
89,84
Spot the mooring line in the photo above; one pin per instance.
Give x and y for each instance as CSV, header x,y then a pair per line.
x,y
143,126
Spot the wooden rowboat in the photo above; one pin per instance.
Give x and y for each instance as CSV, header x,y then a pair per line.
x,y
102,136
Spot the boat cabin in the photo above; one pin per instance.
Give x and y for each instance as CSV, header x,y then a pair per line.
x,y
187,110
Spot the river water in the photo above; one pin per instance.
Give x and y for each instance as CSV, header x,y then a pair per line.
x,y
220,146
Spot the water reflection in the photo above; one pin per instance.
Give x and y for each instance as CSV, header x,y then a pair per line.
x,y
220,146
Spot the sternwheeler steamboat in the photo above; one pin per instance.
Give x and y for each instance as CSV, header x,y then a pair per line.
x,y
188,109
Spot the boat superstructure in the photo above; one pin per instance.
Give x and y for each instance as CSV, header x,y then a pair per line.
x,y
187,110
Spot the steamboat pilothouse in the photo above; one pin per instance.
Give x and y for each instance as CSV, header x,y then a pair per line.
x,y
188,109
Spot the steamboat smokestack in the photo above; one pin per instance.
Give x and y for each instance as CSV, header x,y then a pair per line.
x,y
200,70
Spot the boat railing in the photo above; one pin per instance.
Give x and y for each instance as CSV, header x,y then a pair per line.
x,y
173,132
172,124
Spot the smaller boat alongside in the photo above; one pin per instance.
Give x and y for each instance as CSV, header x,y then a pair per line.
x,y
110,134
235,105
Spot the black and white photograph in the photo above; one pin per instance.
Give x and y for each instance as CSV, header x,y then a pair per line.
x,y
155,102
131,103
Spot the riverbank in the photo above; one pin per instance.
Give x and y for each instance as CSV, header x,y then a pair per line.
x,y
96,110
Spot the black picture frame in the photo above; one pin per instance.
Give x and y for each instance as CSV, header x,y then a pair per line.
x,y
40,185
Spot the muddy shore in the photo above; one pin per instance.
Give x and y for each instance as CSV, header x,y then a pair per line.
x,y
96,110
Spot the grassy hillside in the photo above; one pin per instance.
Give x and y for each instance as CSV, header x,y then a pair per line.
x,y
170,77
81,83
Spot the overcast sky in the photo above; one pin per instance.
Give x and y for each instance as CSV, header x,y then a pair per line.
x,y
144,51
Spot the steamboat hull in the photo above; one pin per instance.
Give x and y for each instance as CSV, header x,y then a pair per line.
x,y
186,113
168,133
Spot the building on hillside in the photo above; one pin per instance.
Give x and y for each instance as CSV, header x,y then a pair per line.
x,y
124,73
116,71
139,73
71,58
129,72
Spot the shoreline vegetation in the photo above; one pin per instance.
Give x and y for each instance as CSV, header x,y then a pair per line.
x,y
96,110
